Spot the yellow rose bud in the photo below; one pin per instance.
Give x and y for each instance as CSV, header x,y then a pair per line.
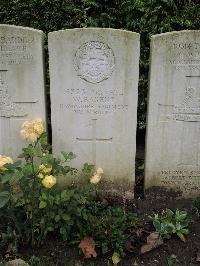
x,y
41,167
44,169
40,175
95,179
49,181
47,170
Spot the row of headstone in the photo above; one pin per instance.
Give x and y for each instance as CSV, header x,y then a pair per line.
x,y
93,84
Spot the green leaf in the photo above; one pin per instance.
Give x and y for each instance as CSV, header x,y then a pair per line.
x,y
88,168
4,198
29,151
169,213
6,178
12,166
184,231
66,195
85,217
68,156
43,138
104,248
42,204
157,225
66,217
18,175
181,236
63,231
50,228
57,218
44,196
27,169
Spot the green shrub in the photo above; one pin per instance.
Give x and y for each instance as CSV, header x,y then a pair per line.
x,y
170,222
33,206
27,189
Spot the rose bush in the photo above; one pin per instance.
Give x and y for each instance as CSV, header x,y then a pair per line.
x,y
32,205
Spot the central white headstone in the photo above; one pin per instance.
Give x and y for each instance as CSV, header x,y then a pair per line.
x,y
93,78
21,84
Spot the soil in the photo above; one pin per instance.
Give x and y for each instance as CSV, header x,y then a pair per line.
x,y
173,252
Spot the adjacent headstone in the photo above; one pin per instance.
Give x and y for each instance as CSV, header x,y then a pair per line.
x,y
93,80
173,133
21,83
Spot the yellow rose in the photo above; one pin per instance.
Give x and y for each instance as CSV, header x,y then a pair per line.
x,y
95,179
44,169
38,126
47,170
49,181
32,129
31,138
99,171
40,175
41,167
4,160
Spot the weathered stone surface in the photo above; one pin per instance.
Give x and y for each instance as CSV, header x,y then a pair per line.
x,y
21,83
173,133
94,77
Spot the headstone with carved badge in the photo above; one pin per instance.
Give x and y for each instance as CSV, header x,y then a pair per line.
x,y
94,79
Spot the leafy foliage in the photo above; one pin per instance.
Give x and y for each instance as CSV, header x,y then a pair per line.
x,y
196,205
33,207
144,16
169,223
26,200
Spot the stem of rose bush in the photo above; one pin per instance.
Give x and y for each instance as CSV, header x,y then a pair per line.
x,y
33,201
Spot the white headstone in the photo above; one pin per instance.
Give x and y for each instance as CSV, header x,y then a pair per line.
x,y
94,79
173,133
21,84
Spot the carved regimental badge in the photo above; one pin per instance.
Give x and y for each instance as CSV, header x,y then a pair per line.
x,y
94,61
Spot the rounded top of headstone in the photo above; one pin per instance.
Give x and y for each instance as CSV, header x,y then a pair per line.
x,y
175,33
95,29
8,26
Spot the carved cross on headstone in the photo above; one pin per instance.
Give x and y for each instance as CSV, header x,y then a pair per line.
x,y
189,113
94,140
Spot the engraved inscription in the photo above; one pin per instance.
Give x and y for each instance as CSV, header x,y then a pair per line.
x,y
7,107
94,61
187,111
186,180
15,50
95,102
185,53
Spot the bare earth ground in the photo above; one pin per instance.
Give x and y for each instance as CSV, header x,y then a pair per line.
x,y
56,252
